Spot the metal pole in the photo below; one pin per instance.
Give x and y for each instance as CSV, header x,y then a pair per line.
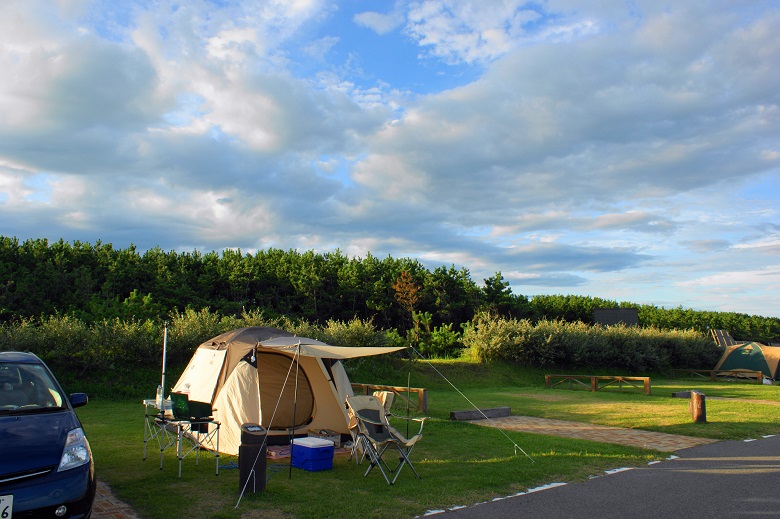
x,y
297,360
409,390
165,352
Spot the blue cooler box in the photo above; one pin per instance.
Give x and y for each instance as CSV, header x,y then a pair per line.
x,y
312,454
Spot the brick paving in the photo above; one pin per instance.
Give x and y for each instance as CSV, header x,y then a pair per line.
x,y
600,433
107,506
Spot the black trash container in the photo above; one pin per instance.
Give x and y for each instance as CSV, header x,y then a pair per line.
x,y
252,458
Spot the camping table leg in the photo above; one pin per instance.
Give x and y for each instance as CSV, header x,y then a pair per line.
x,y
155,427
197,444
146,427
154,430
181,435
151,430
163,443
216,451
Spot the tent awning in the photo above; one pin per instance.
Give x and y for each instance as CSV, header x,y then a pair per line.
x,y
314,348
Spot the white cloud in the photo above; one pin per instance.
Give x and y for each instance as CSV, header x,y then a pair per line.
x,y
380,23
765,245
471,31
391,179
13,189
768,277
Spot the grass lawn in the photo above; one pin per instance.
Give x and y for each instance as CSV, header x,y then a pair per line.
x,y
460,463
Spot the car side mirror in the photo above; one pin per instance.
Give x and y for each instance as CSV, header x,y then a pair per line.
x,y
78,399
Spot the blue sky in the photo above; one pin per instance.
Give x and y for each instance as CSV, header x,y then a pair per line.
x,y
624,150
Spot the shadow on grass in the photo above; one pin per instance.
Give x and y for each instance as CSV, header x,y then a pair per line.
x,y
460,464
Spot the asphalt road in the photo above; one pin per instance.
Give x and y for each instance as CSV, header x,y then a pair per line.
x,y
720,480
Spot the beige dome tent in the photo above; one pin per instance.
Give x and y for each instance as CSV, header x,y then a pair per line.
x,y
271,377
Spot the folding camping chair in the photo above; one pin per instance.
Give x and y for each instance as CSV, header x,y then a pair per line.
x,y
723,338
358,452
374,435
387,398
196,425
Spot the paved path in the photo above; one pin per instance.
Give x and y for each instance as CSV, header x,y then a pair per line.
x,y
600,433
726,479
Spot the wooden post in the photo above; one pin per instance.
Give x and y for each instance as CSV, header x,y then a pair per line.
x,y
698,407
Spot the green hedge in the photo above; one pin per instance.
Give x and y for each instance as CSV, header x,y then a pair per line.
x,y
123,358
578,345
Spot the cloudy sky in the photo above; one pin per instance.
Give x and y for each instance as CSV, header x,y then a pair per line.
x,y
628,150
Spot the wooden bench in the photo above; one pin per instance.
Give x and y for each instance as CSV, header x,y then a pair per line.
x,y
400,391
715,375
597,382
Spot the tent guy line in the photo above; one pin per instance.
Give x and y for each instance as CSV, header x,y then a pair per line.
x,y
517,447
262,449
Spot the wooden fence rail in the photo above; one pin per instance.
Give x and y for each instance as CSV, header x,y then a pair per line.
x,y
715,375
401,391
597,382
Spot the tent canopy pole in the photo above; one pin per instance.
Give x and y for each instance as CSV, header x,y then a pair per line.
x,y
165,352
296,359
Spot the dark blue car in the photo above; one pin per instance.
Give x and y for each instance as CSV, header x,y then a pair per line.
x,y
46,467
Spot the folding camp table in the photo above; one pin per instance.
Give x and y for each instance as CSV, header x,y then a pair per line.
x,y
170,430
158,424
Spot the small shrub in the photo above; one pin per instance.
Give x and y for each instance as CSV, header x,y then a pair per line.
x,y
443,342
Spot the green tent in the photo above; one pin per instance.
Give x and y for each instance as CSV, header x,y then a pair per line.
x,y
752,356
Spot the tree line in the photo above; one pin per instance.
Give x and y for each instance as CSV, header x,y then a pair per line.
x,y
98,282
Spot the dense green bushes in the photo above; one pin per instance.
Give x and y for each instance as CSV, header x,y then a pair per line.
x,y
115,358
65,342
70,343
111,347
742,327
577,345
97,283
92,309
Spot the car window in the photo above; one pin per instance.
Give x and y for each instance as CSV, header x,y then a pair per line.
x,y
28,386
